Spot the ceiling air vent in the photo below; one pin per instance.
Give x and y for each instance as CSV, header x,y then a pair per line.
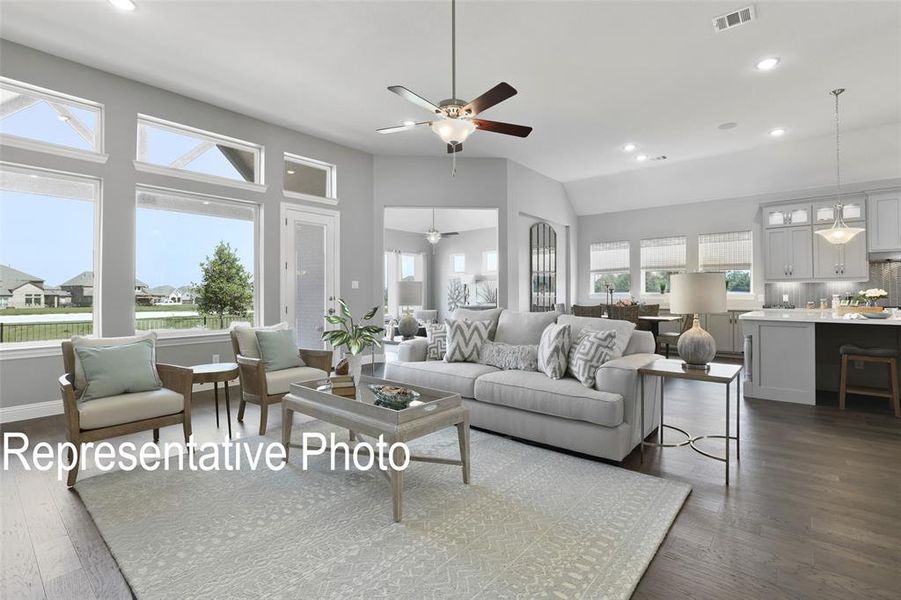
x,y
733,19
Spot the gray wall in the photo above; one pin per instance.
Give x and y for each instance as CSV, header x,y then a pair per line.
x,y
32,379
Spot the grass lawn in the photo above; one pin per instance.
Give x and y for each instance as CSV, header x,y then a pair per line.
x,y
86,309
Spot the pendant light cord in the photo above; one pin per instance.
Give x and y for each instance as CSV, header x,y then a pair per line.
x,y
838,173
453,48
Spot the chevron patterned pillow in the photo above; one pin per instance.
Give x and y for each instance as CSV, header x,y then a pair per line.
x,y
553,350
593,349
464,339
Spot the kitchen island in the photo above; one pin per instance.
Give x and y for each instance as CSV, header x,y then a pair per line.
x,y
790,354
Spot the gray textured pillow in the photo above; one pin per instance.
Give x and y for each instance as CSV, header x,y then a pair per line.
x,y
521,357
114,370
278,349
593,349
464,340
553,350
437,338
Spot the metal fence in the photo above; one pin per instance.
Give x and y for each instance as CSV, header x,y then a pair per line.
x,y
61,330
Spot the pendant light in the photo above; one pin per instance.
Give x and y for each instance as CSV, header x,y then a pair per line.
x,y
839,233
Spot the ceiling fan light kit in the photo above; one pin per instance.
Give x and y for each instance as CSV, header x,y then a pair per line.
x,y
455,118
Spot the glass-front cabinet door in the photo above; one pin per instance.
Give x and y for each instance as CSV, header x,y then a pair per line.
x,y
853,209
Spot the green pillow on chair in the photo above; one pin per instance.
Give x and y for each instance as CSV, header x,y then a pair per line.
x,y
114,370
278,349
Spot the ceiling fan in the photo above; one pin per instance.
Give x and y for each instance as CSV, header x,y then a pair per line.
x,y
434,236
454,118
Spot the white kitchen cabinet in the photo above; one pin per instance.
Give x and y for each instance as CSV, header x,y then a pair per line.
x,y
788,214
853,209
840,261
788,254
884,223
719,325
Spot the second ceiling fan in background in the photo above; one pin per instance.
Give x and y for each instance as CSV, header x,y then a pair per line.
x,y
455,119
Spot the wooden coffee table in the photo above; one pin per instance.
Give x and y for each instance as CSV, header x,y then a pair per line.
x,y
434,410
217,373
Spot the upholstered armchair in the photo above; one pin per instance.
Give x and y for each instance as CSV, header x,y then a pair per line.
x,y
122,414
264,387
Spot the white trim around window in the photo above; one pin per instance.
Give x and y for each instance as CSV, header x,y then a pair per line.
x,y
200,177
331,183
96,155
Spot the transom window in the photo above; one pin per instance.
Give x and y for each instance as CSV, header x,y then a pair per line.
x,y
660,258
489,261
609,267
178,147
309,177
458,263
730,253
49,118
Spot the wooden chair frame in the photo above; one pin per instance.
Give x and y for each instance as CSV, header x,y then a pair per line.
x,y
252,376
178,379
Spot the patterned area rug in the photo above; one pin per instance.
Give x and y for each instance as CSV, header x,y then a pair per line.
x,y
533,523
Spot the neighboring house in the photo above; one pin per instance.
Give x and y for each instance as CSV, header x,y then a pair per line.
x,y
23,290
81,287
182,295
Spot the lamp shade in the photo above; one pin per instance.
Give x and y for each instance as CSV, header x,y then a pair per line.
x,y
409,293
697,293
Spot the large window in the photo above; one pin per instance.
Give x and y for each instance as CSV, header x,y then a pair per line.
x,y
178,148
308,178
660,258
47,239
609,266
401,266
730,253
45,120
195,261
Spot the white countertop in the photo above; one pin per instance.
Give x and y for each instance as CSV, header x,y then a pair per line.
x,y
803,315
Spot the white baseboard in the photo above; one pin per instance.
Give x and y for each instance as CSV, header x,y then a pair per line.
x,y
9,414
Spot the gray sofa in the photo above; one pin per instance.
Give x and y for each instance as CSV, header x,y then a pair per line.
x,y
602,421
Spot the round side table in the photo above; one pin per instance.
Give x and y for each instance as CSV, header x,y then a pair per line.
x,y
217,373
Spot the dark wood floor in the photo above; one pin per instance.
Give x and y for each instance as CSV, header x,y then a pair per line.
x,y
814,510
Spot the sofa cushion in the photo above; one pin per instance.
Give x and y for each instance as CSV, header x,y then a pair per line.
x,y
590,351
455,377
98,342
437,339
491,315
623,329
566,398
464,340
247,338
127,408
279,382
553,350
522,357
523,327
115,370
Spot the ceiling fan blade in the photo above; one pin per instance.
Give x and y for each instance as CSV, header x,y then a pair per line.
x,y
495,95
398,128
449,234
451,149
414,98
505,128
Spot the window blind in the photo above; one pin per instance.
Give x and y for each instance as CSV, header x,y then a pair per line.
x,y
609,257
154,199
663,254
730,251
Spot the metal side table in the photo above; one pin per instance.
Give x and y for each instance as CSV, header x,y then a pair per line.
x,y
716,373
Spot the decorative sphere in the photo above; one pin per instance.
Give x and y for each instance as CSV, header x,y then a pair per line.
x,y
408,326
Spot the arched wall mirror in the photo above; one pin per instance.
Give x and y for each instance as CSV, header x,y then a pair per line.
x,y
543,267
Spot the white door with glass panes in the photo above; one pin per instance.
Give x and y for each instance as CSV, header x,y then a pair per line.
x,y
310,271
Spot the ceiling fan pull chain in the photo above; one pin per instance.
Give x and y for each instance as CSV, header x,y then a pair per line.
x,y
454,161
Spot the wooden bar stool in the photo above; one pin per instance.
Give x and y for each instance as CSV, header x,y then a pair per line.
x,y
886,356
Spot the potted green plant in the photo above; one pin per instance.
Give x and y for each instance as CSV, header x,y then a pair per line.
x,y
662,287
352,336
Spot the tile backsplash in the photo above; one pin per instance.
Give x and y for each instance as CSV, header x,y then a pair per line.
x,y
885,275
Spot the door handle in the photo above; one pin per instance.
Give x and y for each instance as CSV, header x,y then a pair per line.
x,y
331,311
836,268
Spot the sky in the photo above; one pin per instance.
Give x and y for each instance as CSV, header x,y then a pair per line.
x,y
52,238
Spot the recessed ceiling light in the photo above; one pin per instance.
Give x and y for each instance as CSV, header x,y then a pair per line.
x,y
123,4
778,132
768,64
206,202
63,118
409,123
290,171
641,157
629,148
729,125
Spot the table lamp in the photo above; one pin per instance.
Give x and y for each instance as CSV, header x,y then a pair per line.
x,y
409,293
697,293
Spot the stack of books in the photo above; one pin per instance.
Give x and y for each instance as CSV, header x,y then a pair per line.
x,y
343,385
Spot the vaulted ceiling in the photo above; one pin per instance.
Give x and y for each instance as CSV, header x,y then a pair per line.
x,y
591,76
